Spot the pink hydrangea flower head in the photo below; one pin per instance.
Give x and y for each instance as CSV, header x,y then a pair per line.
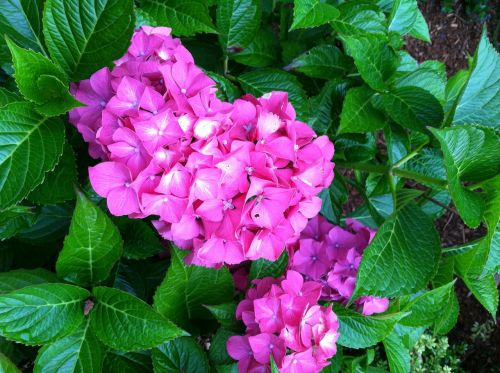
x,y
228,181
282,317
331,256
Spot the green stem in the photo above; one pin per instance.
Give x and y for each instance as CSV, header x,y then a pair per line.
x,y
382,169
410,155
226,63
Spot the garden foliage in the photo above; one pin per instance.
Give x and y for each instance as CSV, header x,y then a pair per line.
x,y
87,284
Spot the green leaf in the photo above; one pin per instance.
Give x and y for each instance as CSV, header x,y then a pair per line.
x,y
259,82
185,17
21,20
58,185
425,78
218,351
127,362
375,60
226,90
186,289
24,132
427,307
358,113
126,323
398,355
274,367
479,102
413,108
484,289
326,106
261,268
312,13
323,61
41,313
261,52
51,225
15,219
21,278
6,97
403,16
29,66
84,35
358,18
80,352
140,240
237,22
420,30
358,331
224,313
92,246
402,257
470,154
7,366
180,355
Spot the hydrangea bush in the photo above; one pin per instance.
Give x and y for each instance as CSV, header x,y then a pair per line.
x,y
175,179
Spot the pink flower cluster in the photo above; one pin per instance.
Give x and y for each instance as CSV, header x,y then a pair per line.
x,y
331,255
280,315
230,182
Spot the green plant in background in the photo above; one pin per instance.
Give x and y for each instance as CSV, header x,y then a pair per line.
x,y
434,354
84,291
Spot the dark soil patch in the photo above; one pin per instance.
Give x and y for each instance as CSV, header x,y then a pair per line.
x,y
454,35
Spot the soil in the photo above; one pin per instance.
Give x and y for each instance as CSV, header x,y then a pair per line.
x,y
454,35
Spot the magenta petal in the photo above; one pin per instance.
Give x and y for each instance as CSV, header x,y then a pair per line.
x,y
107,176
123,201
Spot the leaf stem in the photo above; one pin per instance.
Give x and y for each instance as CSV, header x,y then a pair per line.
x,y
382,169
410,155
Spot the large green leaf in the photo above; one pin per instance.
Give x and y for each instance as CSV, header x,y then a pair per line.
x,y
425,78
58,185
261,268
326,106
427,307
312,13
237,22
374,58
7,366
42,313
30,145
92,246
225,314
470,154
413,108
127,362
14,219
140,241
261,52
398,355
403,16
21,20
259,82
85,35
186,17
479,102
218,347
358,331
21,278
80,352
41,81
126,323
180,355
186,289
323,61
6,97
358,113
359,18
420,30
402,257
